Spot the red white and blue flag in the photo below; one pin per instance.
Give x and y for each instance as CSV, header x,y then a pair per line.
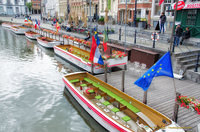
x,y
95,55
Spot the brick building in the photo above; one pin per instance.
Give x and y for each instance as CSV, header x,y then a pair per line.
x,y
36,6
143,10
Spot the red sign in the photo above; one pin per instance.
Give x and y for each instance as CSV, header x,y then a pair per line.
x,y
180,5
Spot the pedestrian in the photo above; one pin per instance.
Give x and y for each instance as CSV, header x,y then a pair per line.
x,y
88,37
178,34
186,35
163,19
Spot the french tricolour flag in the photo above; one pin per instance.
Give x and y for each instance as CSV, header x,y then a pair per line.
x,y
95,55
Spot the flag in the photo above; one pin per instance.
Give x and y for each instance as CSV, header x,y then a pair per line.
x,y
39,23
160,2
162,67
36,24
26,19
95,55
57,26
105,40
96,37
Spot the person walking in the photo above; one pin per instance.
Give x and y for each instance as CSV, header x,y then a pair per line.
x,y
163,19
178,34
186,35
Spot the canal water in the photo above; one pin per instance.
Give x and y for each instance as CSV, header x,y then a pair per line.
x,y
32,95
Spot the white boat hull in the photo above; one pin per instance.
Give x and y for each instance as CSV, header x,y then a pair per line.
x,y
19,31
99,116
48,44
77,61
32,36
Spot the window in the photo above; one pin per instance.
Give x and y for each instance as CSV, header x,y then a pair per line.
x,y
1,9
191,17
129,14
124,1
157,10
194,0
102,6
17,10
16,2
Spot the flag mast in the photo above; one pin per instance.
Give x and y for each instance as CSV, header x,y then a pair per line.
x,y
123,71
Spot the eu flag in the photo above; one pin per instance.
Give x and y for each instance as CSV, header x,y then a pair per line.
x,y
162,67
96,36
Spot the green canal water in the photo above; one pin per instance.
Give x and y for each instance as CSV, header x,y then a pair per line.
x,y
32,95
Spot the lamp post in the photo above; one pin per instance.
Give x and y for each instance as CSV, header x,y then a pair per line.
x,y
135,13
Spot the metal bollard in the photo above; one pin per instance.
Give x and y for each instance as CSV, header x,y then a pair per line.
x,y
154,39
120,33
135,36
197,63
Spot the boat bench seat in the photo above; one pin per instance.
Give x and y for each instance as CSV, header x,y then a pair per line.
x,y
129,106
74,81
116,97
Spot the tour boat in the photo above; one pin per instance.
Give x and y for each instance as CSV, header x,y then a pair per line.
x,y
48,42
113,109
80,58
8,25
19,29
32,35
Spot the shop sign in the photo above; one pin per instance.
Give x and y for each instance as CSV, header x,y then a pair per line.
x,y
181,5
191,6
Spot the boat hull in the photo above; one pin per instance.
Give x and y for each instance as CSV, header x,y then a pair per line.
x,y
47,44
32,36
77,61
101,118
147,118
19,31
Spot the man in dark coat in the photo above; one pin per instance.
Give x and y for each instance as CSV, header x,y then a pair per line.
x,y
162,22
186,35
178,34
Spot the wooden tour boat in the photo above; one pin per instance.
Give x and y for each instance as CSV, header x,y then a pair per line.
x,y
8,24
113,109
80,58
19,29
32,35
48,42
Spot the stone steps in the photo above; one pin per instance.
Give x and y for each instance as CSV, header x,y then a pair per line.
x,y
188,61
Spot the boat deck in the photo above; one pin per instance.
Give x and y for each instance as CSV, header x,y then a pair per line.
x,y
98,98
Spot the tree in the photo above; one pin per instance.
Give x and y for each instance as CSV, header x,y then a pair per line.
x,y
29,5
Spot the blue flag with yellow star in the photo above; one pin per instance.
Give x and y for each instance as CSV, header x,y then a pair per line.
x,y
162,67
96,36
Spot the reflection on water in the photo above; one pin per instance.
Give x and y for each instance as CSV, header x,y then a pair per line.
x,y
31,89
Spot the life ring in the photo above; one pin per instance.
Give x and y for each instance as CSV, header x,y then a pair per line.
x,y
88,92
156,36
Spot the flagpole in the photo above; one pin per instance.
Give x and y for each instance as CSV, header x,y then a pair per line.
x,y
171,44
90,29
123,71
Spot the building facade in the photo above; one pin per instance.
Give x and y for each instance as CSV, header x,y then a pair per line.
x,y
62,10
112,9
77,7
165,7
143,10
13,7
36,6
51,8
189,16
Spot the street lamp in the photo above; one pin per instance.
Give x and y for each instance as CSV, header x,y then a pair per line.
x,y
135,14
